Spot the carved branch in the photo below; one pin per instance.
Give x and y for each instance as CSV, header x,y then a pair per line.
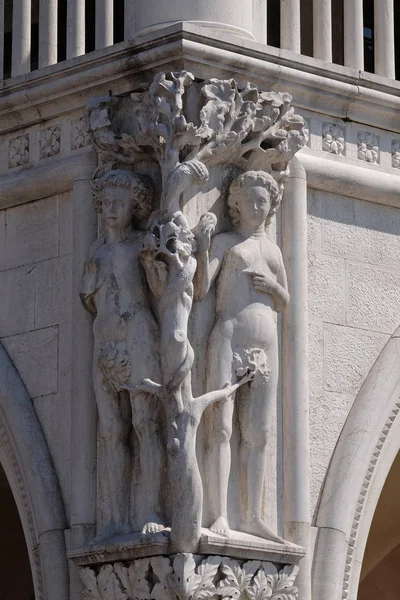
x,y
243,127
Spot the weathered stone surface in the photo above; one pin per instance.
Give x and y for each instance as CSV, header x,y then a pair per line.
x,y
17,303
373,297
66,222
314,224
348,356
35,355
328,412
53,292
316,357
361,231
54,414
326,288
31,232
2,238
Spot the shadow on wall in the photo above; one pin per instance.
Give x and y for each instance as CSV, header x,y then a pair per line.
x,y
15,570
380,575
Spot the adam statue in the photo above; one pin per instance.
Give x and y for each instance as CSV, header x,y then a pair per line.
x,y
126,350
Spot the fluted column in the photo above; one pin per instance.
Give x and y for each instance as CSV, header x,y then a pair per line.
x,y
322,23
290,25
21,39
104,23
353,34
234,16
47,32
384,38
75,28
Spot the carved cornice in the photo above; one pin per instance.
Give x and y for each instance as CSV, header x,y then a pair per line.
x,y
33,183
332,90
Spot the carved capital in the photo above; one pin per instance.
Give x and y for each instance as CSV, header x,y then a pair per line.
x,y
190,577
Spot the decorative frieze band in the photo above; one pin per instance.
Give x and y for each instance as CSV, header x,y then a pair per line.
x,y
334,140
190,577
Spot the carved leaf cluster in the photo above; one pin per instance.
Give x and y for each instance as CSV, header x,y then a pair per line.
x,y
253,360
186,577
243,127
239,122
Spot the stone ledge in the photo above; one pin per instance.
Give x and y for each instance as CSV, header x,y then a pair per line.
x,y
240,545
332,90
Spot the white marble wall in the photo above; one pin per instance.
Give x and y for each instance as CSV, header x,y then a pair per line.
x,y
35,313
354,307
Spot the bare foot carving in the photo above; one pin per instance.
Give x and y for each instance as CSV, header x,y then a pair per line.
x,y
221,527
152,527
260,529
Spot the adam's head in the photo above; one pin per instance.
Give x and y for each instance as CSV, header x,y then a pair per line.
x,y
253,199
122,196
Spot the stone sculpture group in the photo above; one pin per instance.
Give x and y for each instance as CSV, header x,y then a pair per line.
x,y
146,271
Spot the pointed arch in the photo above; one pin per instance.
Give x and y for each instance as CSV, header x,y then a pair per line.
x,y
364,454
26,460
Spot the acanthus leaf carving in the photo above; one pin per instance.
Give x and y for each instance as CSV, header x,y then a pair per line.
x,y
237,579
189,577
134,579
282,581
104,586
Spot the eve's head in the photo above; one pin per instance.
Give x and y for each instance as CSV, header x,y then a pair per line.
x,y
122,196
253,199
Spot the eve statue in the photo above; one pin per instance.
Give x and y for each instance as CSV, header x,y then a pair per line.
x,y
251,287
126,349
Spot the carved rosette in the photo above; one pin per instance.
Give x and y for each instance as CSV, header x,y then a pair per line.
x,y
190,577
396,154
80,135
18,152
50,141
333,139
368,147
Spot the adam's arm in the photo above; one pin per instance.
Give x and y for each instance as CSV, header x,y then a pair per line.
x,y
89,286
89,279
